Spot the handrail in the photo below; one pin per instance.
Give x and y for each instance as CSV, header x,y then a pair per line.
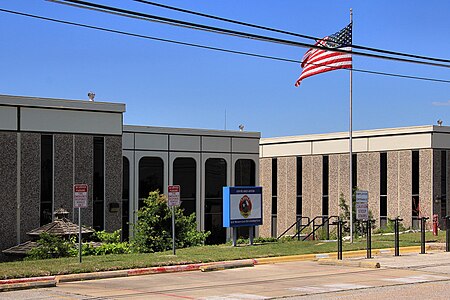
x,y
325,220
290,227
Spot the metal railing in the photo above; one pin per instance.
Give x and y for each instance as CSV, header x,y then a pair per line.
x,y
299,227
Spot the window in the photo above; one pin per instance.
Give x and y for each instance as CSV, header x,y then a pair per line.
x,y
99,184
354,171
274,197
415,189
46,205
125,199
383,189
215,180
244,170
185,175
151,177
299,188
325,185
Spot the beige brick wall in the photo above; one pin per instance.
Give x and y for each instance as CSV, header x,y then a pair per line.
x,y
265,180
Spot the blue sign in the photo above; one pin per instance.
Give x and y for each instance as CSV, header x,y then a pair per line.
x,y
242,206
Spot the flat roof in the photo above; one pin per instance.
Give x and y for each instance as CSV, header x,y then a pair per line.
x,y
25,101
356,134
190,131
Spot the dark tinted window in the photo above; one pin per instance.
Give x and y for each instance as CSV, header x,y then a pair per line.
x,y
151,177
215,180
46,179
99,183
185,175
244,170
125,199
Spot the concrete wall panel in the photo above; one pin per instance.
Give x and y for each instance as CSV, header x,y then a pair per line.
x,y
8,185
343,180
426,184
316,197
63,172
393,175
128,140
70,121
405,187
265,171
84,166
333,191
244,145
157,142
216,144
113,182
184,143
8,118
30,183
374,185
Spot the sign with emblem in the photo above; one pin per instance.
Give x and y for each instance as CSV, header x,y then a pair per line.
x,y
362,205
242,206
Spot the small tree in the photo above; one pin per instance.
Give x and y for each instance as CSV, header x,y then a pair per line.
x,y
153,230
345,215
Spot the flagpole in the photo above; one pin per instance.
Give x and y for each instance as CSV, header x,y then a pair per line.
x,y
350,132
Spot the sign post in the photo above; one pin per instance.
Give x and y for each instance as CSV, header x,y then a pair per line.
x,y
173,200
80,200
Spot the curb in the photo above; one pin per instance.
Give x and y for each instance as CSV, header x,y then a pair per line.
x,y
350,263
51,281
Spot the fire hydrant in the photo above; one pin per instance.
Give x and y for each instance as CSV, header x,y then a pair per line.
x,y
435,224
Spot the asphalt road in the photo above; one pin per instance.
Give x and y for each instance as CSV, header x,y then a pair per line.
x,y
406,277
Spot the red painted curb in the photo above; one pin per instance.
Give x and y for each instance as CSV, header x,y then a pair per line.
x,y
167,269
25,280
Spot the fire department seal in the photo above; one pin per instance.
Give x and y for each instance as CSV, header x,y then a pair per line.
x,y
245,206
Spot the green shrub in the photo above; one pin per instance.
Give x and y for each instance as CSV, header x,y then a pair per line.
x,y
51,246
153,230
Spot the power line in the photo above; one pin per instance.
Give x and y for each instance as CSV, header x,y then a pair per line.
x,y
288,32
129,13
209,47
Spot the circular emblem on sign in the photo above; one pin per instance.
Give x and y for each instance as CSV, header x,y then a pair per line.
x,y
245,206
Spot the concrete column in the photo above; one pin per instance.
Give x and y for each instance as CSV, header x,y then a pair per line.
x,y
426,184
63,175
307,186
373,169
405,187
30,184
8,185
316,197
286,197
265,171
343,179
393,184
333,192
84,169
113,182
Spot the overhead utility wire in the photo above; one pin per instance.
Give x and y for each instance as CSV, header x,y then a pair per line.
x,y
210,48
288,32
154,18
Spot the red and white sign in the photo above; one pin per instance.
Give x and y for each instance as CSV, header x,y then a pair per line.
x,y
174,195
80,195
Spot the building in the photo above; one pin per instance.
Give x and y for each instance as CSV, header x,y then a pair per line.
x,y
47,145
405,171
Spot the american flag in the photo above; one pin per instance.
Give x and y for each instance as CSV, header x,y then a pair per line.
x,y
316,61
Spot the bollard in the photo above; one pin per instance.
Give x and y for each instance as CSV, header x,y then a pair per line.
x,y
422,234
447,233
339,223
397,236
369,238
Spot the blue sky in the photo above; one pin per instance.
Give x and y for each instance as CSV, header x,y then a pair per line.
x,y
177,86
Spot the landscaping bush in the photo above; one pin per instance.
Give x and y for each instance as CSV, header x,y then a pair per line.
x,y
153,230
51,246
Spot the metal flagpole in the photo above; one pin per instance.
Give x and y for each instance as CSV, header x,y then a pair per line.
x,y
350,131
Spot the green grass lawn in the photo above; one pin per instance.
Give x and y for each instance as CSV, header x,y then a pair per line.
x,y
197,254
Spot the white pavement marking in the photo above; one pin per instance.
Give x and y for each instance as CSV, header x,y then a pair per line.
x,y
329,288
236,297
415,279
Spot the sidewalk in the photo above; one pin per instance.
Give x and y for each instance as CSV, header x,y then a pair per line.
x,y
49,281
